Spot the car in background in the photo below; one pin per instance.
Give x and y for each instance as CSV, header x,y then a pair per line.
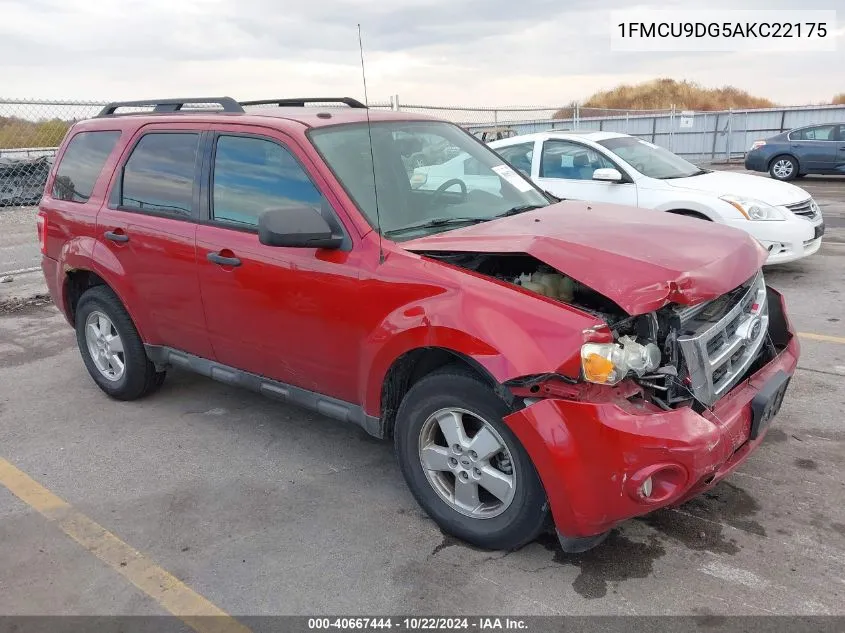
x,y
488,134
422,150
463,168
814,149
626,170
22,179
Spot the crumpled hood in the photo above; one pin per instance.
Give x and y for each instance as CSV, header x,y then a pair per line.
x,y
639,258
720,183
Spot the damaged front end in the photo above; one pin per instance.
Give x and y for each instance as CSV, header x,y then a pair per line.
x,y
674,356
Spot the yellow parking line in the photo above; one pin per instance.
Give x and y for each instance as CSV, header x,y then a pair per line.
x,y
822,337
170,592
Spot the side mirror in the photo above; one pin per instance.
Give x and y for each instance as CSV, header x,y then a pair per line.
x,y
607,174
298,227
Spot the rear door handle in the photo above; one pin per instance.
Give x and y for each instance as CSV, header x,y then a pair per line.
x,y
217,258
116,237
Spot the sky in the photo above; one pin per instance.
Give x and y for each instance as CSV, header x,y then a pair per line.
x,y
445,52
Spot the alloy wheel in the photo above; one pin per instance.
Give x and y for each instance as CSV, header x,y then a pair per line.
x,y
783,168
105,346
467,463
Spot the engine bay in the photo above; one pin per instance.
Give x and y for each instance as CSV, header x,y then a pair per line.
x,y
648,342
530,273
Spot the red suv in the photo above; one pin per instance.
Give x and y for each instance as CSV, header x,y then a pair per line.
x,y
529,357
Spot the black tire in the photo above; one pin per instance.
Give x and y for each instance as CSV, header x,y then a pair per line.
x,y
792,168
140,376
527,513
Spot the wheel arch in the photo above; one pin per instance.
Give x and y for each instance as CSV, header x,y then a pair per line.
x,y
413,365
690,213
76,282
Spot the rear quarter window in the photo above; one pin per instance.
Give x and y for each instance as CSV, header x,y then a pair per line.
x,y
82,163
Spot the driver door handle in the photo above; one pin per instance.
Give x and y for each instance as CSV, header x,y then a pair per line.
x,y
222,260
114,236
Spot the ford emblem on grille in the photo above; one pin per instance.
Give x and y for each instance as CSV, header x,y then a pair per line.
x,y
749,329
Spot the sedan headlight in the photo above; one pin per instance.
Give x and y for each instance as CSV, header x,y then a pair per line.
x,y
753,209
609,363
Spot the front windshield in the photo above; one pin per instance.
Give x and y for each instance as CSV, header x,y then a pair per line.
x,y
431,176
649,159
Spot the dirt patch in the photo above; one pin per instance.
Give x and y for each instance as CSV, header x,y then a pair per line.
x,y
17,305
806,464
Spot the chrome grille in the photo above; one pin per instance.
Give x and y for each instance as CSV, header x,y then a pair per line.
x,y
805,209
718,350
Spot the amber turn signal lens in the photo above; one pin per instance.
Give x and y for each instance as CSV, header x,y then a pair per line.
x,y
597,368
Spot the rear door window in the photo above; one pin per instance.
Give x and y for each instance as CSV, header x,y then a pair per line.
x,y
81,165
159,176
817,133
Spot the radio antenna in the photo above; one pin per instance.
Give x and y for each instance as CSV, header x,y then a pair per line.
x,y
372,153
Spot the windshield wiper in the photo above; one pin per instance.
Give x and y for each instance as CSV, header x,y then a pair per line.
x,y
435,223
695,173
522,208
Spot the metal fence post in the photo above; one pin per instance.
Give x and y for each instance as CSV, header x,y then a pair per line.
x,y
672,128
627,121
745,137
729,136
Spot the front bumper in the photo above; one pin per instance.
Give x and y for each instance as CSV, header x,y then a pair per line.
x,y
786,241
592,457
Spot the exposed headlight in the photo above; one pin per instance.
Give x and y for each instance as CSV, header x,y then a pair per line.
x,y
754,209
757,144
609,363
814,207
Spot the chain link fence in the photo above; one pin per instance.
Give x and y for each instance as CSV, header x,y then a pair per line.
x,y
30,131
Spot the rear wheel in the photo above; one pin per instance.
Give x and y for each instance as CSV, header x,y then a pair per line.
x,y
111,348
464,465
783,168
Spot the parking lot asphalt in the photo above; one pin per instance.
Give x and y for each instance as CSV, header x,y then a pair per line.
x,y
259,508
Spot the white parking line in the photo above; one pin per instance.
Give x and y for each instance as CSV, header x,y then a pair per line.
x,y
20,271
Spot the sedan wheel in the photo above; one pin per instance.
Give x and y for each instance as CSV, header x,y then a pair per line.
x,y
784,168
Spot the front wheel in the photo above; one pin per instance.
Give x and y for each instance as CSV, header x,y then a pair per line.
x,y
464,465
784,168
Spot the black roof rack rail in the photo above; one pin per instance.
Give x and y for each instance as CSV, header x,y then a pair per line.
x,y
300,102
171,105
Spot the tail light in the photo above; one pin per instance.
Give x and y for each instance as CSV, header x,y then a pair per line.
x,y
41,224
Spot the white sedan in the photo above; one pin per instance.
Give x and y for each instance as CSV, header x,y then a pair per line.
x,y
623,169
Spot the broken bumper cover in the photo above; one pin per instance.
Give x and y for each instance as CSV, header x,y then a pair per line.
x,y
593,458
